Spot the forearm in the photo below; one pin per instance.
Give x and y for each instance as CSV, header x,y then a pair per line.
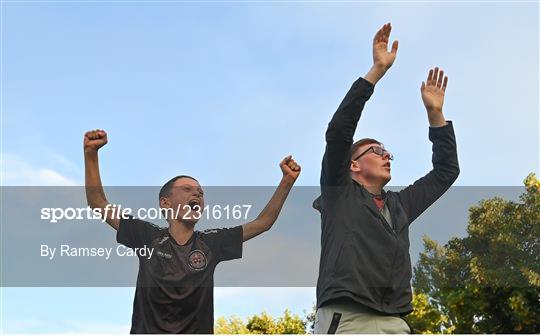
x,y
375,74
343,124
95,195
416,198
340,132
445,160
270,213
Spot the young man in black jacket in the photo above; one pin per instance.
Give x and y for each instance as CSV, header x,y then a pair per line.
x,y
365,267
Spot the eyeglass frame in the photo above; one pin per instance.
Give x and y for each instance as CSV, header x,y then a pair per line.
x,y
390,155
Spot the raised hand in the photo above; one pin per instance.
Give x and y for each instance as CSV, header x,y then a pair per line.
x,y
94,140
433,95
290,168
381,56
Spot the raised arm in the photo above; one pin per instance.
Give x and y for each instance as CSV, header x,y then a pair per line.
x,y
340,132
95,196
267,217
417,197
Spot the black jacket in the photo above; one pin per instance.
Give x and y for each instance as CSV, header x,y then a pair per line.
x,y
362,257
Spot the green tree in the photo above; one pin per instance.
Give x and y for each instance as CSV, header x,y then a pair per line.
x,y
310,319
426,317
290,324
262,324
489,281
234,325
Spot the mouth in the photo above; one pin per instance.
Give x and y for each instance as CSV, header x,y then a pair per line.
x,y
194,202
387,165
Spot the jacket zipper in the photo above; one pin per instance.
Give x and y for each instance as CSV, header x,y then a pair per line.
x,y
393,259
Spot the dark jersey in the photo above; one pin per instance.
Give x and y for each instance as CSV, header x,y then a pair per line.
x,y
175,285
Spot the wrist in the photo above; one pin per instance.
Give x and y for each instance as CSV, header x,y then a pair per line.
x,y
287,180
434,110
436,120
380,68
374,74
90,152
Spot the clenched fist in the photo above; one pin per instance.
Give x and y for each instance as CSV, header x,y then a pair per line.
x,y
94,140
290,168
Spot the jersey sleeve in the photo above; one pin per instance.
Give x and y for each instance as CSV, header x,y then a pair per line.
x,y
225,243
136,233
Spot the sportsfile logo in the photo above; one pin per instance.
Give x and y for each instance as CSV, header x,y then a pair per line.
x,y
113,211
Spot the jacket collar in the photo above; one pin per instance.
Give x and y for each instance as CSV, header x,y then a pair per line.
x,y
366,194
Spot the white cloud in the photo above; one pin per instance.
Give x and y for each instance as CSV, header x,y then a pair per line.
x,y
18,172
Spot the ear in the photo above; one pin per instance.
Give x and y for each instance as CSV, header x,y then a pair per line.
x,y
355,167
164,202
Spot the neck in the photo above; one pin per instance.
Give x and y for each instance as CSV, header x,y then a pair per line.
x,y
180,231
373,187
374,190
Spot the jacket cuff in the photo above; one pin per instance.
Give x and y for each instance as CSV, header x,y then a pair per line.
x,y
365,86
436,132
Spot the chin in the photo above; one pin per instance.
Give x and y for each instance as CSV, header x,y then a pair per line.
x,y
192,221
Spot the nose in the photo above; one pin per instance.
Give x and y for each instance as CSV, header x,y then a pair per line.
x,y
387,155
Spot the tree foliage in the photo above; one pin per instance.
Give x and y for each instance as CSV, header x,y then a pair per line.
x,y
232,325
489,281
426,317
262,324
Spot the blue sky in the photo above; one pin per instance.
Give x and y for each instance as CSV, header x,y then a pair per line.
x,y
223,91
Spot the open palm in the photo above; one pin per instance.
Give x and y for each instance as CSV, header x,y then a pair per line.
x,y
433,89
381,55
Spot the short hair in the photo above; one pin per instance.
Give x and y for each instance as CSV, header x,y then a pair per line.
x,y
167,187
360,143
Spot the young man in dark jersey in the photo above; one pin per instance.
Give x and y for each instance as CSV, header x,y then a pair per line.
x,y
174,292
365,268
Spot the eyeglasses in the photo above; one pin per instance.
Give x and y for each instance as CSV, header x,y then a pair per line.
x,y
377,150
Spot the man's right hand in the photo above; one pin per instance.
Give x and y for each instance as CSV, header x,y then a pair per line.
x,y
94,140
382,58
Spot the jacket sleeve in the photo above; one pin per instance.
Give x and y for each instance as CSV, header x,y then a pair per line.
x,y
340,132
417,197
